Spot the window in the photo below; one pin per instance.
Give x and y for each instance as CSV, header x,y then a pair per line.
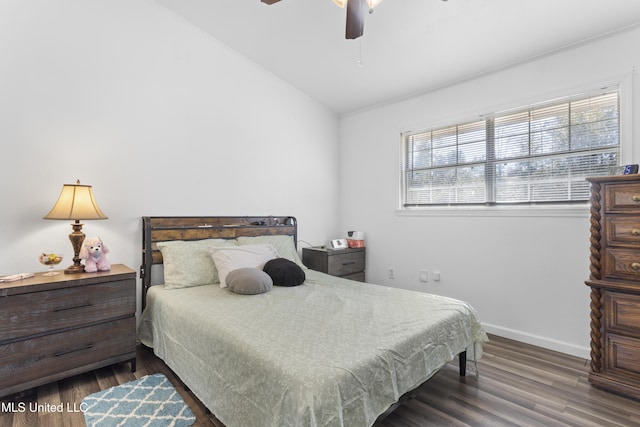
x,y
538,154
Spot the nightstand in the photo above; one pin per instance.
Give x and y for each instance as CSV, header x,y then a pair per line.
x,y
347,263
58,326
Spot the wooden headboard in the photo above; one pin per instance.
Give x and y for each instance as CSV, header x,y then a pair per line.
x,y
163,228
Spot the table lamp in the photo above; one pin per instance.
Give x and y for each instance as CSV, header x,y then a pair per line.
x,y
76,203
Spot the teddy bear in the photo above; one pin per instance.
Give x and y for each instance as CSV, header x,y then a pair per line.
x,y
93,253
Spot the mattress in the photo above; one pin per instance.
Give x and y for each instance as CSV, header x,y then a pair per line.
x,y
331,352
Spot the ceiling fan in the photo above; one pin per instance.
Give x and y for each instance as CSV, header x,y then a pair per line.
x,y
356,10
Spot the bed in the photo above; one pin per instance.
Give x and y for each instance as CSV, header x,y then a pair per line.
x,y
329,352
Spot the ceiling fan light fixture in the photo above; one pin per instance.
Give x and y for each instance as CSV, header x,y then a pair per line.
x,y
371,3
355,14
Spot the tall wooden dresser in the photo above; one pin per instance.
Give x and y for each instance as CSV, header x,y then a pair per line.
x,y
615,284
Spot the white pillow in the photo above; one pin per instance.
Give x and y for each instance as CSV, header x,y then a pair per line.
x,y
283,243
232,258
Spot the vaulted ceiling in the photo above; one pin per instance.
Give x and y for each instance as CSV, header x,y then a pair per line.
x,y
408,47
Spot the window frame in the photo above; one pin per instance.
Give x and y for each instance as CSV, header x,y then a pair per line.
x,y
554,209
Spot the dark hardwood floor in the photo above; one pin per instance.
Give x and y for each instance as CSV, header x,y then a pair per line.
x,y
518,385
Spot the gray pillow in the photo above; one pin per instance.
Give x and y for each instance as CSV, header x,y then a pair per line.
x,y
249,281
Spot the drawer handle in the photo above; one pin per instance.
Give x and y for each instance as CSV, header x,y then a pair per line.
x,y
635,198
635,265
62,353
348,263
57,310
635,232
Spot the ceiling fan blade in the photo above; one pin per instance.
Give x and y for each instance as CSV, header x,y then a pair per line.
x,y
270,1
356,10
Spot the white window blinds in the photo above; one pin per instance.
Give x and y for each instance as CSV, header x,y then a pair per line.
x,y
533,155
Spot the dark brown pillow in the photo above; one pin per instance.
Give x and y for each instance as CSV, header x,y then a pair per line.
x,y
284,272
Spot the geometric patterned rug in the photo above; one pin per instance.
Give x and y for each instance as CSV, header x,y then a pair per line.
x,y
150,401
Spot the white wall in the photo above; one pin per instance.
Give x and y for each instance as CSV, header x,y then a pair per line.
x,y
163,120
524,273
159,117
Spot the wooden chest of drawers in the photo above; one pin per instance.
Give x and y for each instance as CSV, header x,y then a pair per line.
x,y
58,326
347,263
615,284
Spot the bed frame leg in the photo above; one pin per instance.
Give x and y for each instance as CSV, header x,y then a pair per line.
x,y
462,358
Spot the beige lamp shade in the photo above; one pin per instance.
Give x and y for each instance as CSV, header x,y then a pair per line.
x,y
76,202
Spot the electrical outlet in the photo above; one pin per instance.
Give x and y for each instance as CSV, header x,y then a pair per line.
x,y
436,276
424,276
392,273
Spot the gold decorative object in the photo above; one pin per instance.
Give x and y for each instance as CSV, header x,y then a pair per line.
x,y
50,259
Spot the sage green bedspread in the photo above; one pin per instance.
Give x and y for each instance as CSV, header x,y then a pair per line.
x,y
331,352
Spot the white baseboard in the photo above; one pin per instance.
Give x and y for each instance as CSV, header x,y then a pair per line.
x,y
551,344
